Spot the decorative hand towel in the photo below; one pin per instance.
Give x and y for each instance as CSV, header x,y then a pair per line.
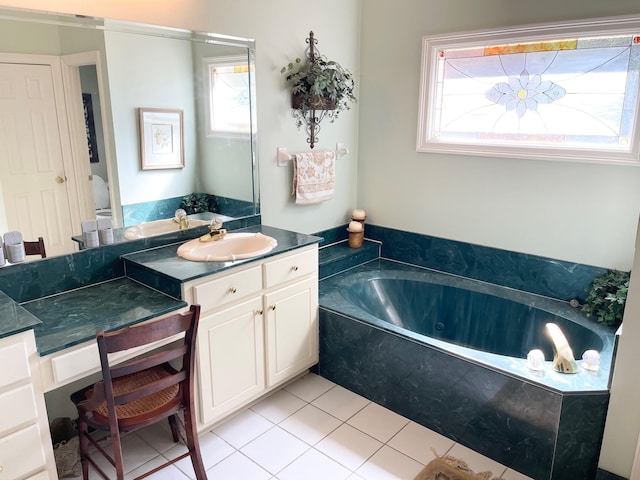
x,y
314,177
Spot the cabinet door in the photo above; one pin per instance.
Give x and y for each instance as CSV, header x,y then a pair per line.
x,y
230,359
291,330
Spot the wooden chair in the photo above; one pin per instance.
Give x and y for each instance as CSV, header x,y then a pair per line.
x,y
142,391
35,248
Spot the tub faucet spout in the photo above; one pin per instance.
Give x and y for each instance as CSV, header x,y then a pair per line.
x,y
563,360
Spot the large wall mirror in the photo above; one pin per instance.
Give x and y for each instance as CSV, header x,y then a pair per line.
x,y
72,94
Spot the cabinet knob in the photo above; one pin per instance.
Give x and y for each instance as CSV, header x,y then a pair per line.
x,y
272,307
294,268
260,312
59,179
232,290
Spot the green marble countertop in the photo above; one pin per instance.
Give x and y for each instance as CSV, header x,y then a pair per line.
x,y
74,317
15,319
150,288
162,269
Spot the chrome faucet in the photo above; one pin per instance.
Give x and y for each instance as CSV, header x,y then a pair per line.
x,y
180,217
563,360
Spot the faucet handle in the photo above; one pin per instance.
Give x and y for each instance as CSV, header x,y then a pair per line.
x,y
216,223
179,214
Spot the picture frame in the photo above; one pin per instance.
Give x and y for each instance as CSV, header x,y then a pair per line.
x,y
92,145
161,138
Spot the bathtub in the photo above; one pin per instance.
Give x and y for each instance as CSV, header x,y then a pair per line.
x,y
450,353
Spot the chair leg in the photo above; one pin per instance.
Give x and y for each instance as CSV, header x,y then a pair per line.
x,y
173,423
83,431
194,446
117,455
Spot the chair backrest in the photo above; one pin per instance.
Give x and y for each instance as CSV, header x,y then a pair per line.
x,y
143,334
35,248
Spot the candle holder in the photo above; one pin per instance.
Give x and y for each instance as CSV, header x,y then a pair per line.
x,y
355,239
356,233
359,220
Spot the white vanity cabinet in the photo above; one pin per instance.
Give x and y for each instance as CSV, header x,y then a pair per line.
x,y
258,329
25,445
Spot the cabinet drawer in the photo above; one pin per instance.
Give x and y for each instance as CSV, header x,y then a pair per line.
x,y
81,361
18,407
227,289
15,355
21,453
290,268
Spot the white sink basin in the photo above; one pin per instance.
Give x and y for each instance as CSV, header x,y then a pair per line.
x,y
158,227
233,246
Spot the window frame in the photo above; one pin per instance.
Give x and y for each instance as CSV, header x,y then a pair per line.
x,y
432,44
225,61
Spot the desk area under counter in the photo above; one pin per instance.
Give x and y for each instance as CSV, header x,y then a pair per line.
x,y
49,343
65,339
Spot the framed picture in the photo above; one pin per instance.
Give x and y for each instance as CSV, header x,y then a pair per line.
x,y
91,128
161,138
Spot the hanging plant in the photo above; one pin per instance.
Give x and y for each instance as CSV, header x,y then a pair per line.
x,y
319,84
607,296
319,87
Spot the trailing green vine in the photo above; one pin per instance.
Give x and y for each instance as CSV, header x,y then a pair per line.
x,y
607,296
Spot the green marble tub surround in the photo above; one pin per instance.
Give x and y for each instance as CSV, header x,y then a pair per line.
x,y
15,319
162,269
74,317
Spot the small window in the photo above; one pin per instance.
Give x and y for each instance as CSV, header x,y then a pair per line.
x,y
228,96
555,91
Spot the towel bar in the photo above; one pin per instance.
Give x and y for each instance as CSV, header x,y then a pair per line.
x,y
283,155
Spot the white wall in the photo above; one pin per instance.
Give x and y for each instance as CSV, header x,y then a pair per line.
x,y
623,417
138,79
280,28
570,211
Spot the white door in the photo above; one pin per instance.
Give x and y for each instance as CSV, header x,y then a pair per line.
x,y
32,175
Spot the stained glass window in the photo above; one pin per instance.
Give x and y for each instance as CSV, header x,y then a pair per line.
x,y
564,93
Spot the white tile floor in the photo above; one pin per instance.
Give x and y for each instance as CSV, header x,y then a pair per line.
x,y
311,429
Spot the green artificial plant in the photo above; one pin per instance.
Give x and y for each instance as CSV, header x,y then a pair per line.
x,y
198,203
607,296
319,84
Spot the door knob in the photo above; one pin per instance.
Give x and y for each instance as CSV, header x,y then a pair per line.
x,y
59,179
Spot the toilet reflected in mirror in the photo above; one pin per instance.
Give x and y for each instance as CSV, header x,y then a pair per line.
x,y
101,197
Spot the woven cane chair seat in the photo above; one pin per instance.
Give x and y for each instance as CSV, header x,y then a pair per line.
x,y
140,406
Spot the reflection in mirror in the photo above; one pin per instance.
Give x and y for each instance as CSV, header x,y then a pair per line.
x,y
70,92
